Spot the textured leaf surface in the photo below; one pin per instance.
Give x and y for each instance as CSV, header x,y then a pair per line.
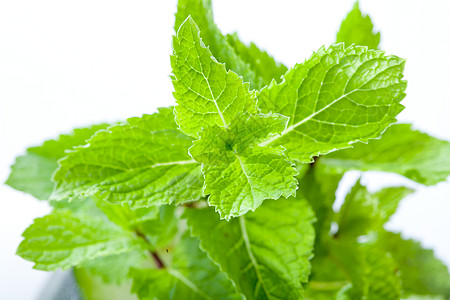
x,y
243,184
191,275
264,66
63,240
143,162
206,93
421,272
266,252
32,172
239,178
201,12
218,147
408,152
338,97
358,29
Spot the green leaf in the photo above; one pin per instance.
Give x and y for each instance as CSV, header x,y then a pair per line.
x,y
368,267
216,146
265,67
126,217
319,188
389,199
238,177
143,162
31,173
266,253
206,93
243,185
382,275
201,12
191,275
358,29
93,288
359,213
63,240
421,272
336,98
114,269
408,152
363,211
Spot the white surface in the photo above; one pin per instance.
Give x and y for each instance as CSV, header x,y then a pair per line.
x,y
65,64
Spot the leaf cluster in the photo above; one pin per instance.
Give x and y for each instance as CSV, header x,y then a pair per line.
x,y
181,203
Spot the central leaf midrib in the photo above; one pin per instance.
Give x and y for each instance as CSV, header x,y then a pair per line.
x,y
207,81
188,283
293,126
250,254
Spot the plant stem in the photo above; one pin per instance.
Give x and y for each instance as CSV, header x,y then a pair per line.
x,y
158,262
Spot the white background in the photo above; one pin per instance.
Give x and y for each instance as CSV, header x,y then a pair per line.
x,y
65,64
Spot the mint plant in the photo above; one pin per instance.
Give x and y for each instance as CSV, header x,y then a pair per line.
x,y
181,203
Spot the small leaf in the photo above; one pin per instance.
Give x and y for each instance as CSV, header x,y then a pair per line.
x,y
358,29
201,12
238,177
244,183
363,211
205,92
265,67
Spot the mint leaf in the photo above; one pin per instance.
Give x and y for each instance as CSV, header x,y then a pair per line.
x,y
319,188
389,199
114,269
158,224
264,66
143,162
408,152
266,253
363,211
357,29
238,177
218,147
359,213
63,240
31,173
94,288
338,97
125,216
191,275
369,269
201,12
382,275
160,231
242,185
421,272
206,93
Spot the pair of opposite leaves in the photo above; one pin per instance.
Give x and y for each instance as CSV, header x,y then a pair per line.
x,y
247,141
